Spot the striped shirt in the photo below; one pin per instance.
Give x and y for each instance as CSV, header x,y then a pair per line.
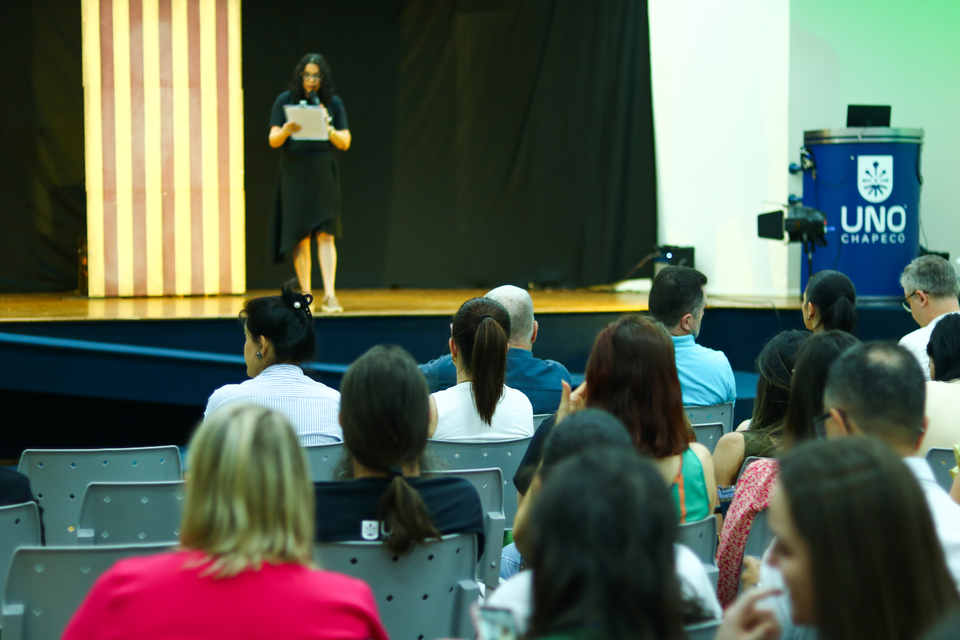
x,y
313,408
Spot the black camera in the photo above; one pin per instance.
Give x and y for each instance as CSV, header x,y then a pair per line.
x,y
800,224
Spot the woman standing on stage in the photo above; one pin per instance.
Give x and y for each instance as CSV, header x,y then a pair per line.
x,y
307,197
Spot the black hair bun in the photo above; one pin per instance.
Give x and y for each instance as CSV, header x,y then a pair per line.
x,y
299,301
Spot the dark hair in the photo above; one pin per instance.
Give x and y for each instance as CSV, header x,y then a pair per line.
x,y
839,493
944,348
602,534
676,291
775,365
632,373
326,91
809,377
480,329
836,299
285,320
385,414
579,432
880,387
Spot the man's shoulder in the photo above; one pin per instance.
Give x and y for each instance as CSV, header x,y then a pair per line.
x,y
917,338
706,354
536,367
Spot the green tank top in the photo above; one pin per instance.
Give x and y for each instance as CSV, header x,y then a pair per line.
x,y
689,489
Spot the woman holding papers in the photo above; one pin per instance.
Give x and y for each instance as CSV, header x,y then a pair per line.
x,y
306,200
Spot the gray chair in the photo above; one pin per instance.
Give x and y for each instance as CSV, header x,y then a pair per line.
x,y
941,461
505,455
538,419
701,538
489,485
47,584
747,463
708,434
323,459
759,537
703,630
19,527
59,478
722,413
130,513
424,594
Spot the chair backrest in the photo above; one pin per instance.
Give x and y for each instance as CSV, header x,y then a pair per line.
x,y
19,527
759,537
59,478
47,584
941,461
722,413
701,537
323,459
505,455
489,485
130,513
424,594
538,419
708,434
703,630
747,463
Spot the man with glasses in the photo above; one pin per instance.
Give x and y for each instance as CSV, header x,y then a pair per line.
x,y
930,289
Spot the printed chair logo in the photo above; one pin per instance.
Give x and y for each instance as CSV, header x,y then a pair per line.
x,y
875,177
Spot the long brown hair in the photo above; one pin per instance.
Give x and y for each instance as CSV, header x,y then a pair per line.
x,y
632,374
480,328
878,568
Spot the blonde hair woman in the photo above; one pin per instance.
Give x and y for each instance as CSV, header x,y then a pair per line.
x,y
243,566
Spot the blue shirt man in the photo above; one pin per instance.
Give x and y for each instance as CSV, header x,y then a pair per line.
x,y
678,300
537,379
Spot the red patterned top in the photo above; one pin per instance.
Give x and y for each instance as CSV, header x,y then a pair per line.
x,y
753,495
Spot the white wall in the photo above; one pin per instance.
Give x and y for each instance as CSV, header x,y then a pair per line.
x,y
720,99
893,52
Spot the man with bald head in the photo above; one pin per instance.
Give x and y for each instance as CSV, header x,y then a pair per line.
x,y
537,379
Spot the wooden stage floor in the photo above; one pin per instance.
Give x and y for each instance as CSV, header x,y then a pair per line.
x,y
48,307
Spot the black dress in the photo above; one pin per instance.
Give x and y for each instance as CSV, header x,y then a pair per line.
x,y
307,196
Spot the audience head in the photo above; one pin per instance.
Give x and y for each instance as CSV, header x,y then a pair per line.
x,y
249,496
385,412
519,306
930,288
677,299
632,374
830,303
775,365
876,389
279,329
478,344
809,377
856,543
944,349
602,533
583,430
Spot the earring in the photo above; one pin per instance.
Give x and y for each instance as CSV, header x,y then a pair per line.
x,y
259,355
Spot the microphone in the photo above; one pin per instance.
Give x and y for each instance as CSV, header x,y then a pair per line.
x,y
312,98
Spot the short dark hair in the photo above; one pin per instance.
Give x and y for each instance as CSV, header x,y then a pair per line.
x,y
676,291
601,537
480,328
581,431
838,492
944,348
385,414
836,299
880,387
286,321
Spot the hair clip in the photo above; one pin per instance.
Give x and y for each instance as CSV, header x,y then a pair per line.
x,y
296,305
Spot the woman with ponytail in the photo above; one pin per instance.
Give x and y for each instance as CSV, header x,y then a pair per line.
x,y
480,408
830,303
280,336
385,413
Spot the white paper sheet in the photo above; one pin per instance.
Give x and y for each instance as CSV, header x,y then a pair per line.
x,y
312,121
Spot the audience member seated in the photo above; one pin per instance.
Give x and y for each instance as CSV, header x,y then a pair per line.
x,y
244,566
15,489
385,412
602,537
755,486
537,379
678,300
279,331
943,390
480,408
930,290
762,435
632,374
589,429
830,303
855,545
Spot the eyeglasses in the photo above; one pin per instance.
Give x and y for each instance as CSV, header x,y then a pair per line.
x,y
310,76
906,302
819,423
